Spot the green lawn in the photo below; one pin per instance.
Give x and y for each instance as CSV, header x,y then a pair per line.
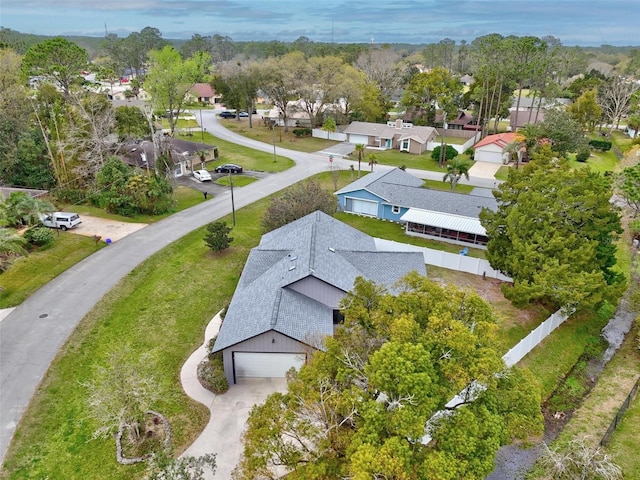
x,y
28,274
181,123
238,180
436,185
247,157
280,137
397,158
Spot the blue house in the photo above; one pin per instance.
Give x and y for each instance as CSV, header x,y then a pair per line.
x,y
397,196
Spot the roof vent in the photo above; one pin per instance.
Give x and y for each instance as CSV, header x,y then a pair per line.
x,y
331,249
292,267
295,257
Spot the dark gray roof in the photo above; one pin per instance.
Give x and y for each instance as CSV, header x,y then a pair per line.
x,y
316,245
397,187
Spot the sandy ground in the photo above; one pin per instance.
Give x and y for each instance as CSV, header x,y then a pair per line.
x,y
106,229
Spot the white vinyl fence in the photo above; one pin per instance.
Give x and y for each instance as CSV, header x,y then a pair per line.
x,y
337,136
532,340
438,258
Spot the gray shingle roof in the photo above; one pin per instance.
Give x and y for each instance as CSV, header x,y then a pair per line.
x,y
316,245
397,187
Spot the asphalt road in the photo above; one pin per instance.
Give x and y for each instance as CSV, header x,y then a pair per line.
x,y
32,334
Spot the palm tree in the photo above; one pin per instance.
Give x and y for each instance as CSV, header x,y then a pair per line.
x,y
514,149
360,149
372,160
458,168
23,209
10,245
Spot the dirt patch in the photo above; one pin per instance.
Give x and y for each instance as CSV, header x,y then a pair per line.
x,y
490,290
106,229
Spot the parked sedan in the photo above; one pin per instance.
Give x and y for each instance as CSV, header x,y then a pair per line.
x,y
243,114
227,114
229,168
202,175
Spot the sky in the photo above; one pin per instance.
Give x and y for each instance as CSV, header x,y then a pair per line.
x,y
584,23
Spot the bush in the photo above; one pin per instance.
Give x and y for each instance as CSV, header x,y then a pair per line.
x,y
211,376
217,237
39,236
583,154
602,145
302,132
450,153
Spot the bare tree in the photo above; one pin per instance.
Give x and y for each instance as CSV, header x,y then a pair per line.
x,y
120,393
615,99
579,460
384,67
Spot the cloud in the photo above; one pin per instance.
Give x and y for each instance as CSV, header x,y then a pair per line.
x,y
410,21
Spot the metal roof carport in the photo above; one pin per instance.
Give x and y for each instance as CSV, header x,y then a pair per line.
x,y
444,221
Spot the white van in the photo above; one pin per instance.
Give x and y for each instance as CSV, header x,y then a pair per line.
x,y
61,220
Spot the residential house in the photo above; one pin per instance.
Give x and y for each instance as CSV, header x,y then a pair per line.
x,y
288,297
532,110
466,80
397,196
492,148
185,154
399,135
204,93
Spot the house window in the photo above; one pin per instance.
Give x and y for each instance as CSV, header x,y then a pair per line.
x,y
395,209
338,318
405,145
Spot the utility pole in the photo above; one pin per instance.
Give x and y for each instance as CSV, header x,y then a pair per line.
x,y
233,207
201,127
442,155
273,126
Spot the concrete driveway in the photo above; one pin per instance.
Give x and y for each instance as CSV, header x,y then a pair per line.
x,y
106,229
229,413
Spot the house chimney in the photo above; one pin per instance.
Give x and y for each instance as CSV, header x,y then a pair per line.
x,y
398,123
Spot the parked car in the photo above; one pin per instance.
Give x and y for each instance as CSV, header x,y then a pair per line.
x,y
227,114
202,175
243,114
61,220
229,168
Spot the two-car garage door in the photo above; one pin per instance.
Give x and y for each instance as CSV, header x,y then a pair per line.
x,y
265,365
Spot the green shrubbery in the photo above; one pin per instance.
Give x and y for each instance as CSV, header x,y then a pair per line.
x,y
602,145
302,132
39,236
211,371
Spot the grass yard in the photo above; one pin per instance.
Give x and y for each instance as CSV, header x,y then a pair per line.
x,y
238,180
28,274
397,158
282,139
249,158
446,186
161,308
624,443
181,123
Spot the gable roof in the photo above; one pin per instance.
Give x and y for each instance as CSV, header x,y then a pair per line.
x,y
318,248
397,187
382,130
203,90
500,139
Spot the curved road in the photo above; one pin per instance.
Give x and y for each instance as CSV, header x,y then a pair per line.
x,y
32,334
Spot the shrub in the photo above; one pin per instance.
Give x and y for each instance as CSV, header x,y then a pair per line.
x,y
217,237
583,154
302,132
39,236
211,376
449,152
602,145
